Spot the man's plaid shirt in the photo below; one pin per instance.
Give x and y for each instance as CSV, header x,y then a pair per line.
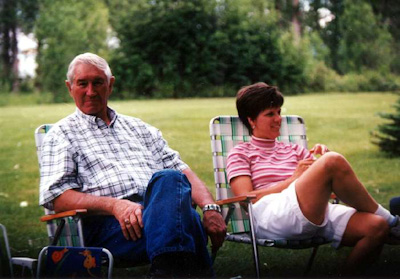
x,y
81,152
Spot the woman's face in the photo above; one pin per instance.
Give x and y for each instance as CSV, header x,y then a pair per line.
x,y
267,123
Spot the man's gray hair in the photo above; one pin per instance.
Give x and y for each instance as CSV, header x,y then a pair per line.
x,y
91,59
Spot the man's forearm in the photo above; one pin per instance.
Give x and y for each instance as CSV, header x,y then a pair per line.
x,y
200,193
72,199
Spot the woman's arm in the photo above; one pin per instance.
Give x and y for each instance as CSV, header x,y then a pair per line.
x,y
242,185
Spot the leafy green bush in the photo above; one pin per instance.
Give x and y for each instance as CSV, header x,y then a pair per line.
x,y
322,78
380,82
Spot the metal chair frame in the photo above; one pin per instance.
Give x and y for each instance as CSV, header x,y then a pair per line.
x,y
24,262
65,228
225,133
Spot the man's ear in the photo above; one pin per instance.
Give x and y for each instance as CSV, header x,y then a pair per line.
x,y
112,80
111,85
68,84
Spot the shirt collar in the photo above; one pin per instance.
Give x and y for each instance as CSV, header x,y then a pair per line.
x,y
94,120
262,143
113,115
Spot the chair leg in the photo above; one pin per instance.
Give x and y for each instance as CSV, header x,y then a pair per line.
x,y
40,259
311,260
11,269
254,242
110,262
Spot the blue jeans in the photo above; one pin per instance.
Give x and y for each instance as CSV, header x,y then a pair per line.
x,y
171,224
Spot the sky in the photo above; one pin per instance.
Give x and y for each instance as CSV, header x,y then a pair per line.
x,y
27,50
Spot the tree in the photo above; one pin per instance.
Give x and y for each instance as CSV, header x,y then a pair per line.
x,y
15,15
365,44
9,49
175,48
63,30
331,33
389,12
253,47
387,137
165,47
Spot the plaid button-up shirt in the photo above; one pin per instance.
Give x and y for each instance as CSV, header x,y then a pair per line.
x,y
81,152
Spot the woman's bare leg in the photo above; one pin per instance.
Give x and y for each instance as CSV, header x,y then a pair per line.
x,y
331,173
367,233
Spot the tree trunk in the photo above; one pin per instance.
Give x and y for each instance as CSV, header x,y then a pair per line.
x,y
296,23
9,50
14,59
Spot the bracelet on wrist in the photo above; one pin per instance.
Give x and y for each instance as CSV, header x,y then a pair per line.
x,y
213,207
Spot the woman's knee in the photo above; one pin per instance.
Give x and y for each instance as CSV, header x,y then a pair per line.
x,y
365,226
376,227
335,162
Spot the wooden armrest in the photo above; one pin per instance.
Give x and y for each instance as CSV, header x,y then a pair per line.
x,y
63,214
246,198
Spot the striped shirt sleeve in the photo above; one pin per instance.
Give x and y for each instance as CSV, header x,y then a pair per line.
x,y
237,163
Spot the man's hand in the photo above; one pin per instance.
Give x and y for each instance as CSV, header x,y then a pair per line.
x,y
215,227
129,216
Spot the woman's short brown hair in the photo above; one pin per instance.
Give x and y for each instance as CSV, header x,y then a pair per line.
x,y
255,98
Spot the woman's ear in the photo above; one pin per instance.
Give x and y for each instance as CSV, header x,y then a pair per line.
x,y
251,122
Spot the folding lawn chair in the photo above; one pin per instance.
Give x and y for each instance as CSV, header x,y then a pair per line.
x,y
24,262
67,250
226,132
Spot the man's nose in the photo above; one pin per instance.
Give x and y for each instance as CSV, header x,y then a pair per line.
x,y
90,90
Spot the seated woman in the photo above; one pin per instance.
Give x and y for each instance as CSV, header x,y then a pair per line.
x,y
293,188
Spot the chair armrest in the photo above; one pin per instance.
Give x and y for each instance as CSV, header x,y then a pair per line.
x,y
246,198
244,202
68,213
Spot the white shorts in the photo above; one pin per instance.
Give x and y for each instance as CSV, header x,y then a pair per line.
x,y
278,216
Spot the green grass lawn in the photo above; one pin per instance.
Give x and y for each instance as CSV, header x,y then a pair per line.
x,y
341,121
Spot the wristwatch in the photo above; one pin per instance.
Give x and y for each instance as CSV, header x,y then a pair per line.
x,y
212,206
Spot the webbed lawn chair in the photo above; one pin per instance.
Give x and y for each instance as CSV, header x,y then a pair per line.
x,y
66,240
24,262
226,132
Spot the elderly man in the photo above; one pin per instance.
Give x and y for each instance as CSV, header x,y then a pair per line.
x,y
122,170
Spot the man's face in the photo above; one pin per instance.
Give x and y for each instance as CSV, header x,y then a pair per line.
x,y
90,90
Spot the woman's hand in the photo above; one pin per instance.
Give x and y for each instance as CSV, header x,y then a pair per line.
x,y
319,149
129,216
302,166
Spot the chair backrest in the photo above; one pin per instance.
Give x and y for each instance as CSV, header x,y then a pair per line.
x,y
225,133
72,233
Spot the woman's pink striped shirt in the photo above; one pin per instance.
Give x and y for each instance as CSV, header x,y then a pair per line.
x,y
267,162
